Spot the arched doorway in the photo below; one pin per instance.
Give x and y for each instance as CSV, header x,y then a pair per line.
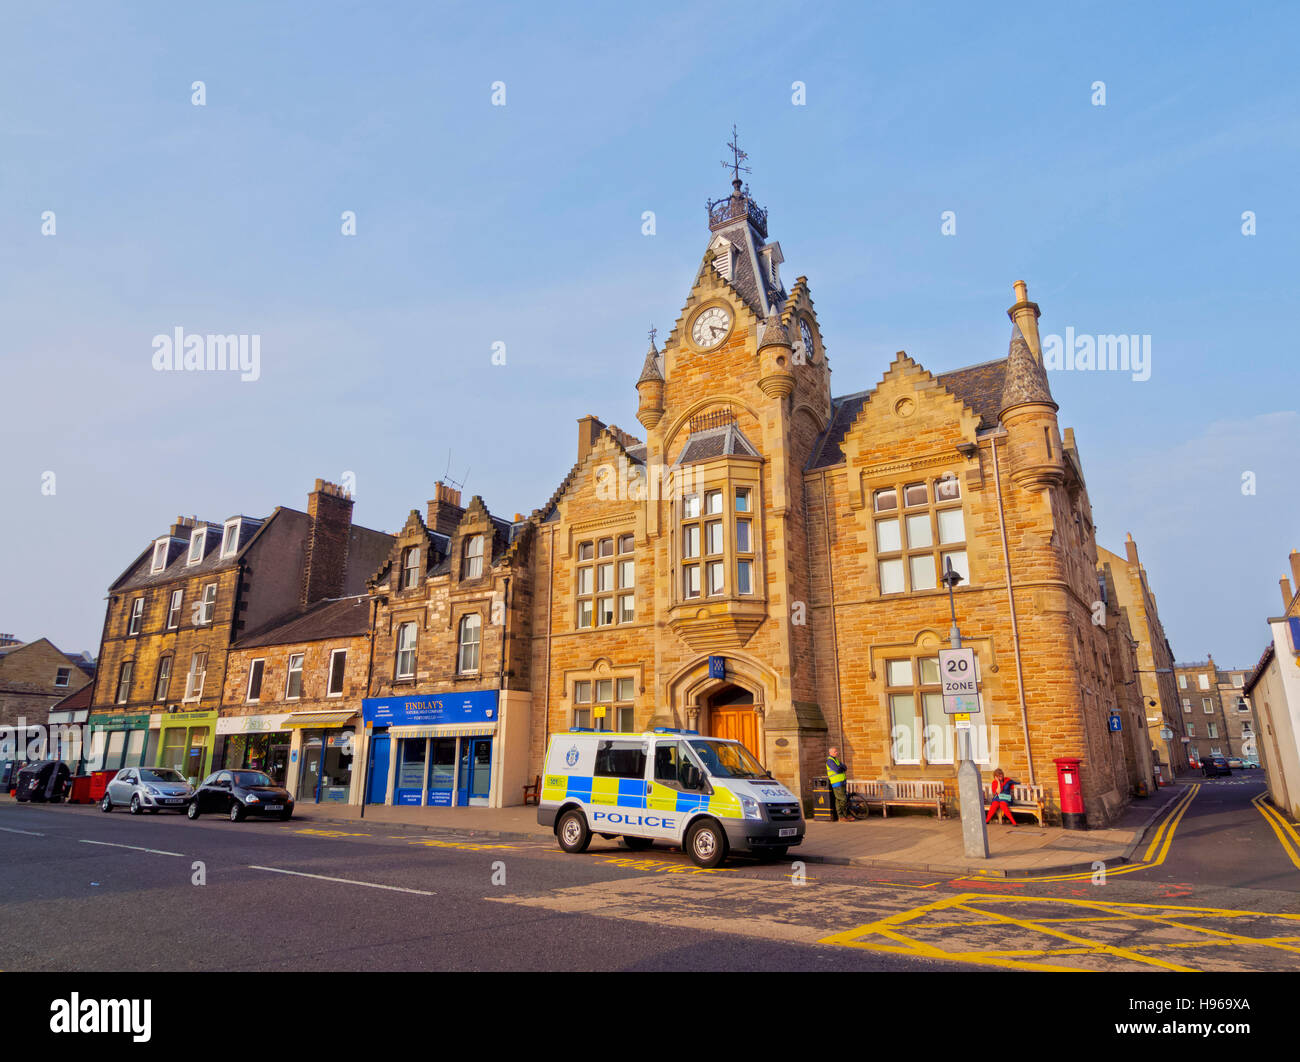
x,y
731,715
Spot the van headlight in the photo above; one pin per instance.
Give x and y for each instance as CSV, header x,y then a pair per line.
x,y
751,808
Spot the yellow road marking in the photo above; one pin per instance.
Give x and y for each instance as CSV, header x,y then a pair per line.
x,y
331,833
1286,833
465,845
1156,851
895,929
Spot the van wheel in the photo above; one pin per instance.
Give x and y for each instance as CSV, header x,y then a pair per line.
x,y
706,844
638,844
572,832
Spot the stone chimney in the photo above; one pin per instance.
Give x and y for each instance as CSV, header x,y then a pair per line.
x,y
1295,568
1025,314
329,529
589,429
444,511
1288,595
1131,549
182,527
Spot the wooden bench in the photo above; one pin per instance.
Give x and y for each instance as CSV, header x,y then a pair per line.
x,y
913,794
1025,799
531,792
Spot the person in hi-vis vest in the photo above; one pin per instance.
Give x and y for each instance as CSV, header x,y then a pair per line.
x,y
838,776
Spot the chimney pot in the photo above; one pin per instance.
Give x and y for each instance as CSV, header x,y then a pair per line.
x,y
589,429
1131,549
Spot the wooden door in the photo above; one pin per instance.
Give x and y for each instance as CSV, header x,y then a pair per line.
x,y
738,724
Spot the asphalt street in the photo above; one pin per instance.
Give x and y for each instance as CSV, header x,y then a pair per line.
x,y
1214,888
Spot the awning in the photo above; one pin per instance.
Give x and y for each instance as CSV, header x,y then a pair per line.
x,y
318,720
444,730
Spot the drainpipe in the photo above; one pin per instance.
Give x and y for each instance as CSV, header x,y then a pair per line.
x,y
835,641
1011,603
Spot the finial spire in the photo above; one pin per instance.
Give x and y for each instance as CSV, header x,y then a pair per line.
x,y
738,157
653,332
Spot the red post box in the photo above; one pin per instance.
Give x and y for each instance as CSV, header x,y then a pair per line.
x,y
1071,789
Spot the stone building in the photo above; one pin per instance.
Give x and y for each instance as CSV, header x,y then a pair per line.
x,y
1165,725
292,699
1273,692
34,676
450,706
765,564
174,613
1203,721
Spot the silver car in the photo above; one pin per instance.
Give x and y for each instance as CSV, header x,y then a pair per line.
x,y
151,789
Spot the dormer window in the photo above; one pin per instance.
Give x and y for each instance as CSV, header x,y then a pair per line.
x,y
472,565
198,540
230,538
159,555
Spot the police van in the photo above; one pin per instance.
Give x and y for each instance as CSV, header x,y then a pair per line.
x,y
705,795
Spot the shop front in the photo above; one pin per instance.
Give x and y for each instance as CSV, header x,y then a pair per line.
x,y
187,743
255,742
320,756
433,751
118,741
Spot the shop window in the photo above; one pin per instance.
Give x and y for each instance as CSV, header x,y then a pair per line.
x,y
410,567
163,680
174,610
256,670
293,682
338,668
471,630
406,651
914,546
173,750
472,565
124,682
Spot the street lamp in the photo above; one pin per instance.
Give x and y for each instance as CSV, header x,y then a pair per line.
x,y
974,831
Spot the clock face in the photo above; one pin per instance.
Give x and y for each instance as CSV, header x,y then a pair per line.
x,y
805,333
711,327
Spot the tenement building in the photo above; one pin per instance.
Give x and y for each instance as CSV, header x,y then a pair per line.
x,y
175,612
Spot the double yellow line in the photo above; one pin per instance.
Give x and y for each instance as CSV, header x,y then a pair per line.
x,y
1156,851
1286,833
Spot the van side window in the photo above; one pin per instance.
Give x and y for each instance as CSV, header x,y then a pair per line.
x,y
668,761
620,759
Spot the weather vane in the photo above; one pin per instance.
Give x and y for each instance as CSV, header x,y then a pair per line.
x,y
653,332
737,157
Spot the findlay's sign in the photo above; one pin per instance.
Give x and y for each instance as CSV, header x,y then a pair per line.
x,y
477,706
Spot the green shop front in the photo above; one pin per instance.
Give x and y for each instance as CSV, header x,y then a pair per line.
x,y
186,743
431,751
117,741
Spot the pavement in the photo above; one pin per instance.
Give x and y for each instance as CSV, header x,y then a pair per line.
x,y
913,840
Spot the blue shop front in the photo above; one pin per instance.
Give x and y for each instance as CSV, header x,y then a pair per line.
x,y
436,750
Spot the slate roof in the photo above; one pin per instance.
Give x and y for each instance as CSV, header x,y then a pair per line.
x,y
339,617
977,386
727,441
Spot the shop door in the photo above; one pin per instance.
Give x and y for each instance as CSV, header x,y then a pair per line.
x,y
475,771
377,787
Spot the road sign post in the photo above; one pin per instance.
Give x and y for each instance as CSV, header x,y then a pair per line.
x,y
963,685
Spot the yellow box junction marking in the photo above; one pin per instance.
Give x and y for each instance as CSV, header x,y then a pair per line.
x,y
1286,833
658,866
918,933
1156,851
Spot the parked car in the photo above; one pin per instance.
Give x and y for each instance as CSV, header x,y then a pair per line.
x,y
1213,766
9,774
240,793
1250,765
1235,763
151,789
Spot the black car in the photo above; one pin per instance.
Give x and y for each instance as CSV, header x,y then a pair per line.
x,y
240,793
1213,766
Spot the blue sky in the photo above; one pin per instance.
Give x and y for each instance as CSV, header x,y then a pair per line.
x,y
522,224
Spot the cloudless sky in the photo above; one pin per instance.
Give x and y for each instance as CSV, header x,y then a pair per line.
x,y
522,224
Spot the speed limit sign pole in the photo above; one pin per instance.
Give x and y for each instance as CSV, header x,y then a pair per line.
x,y
961,699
